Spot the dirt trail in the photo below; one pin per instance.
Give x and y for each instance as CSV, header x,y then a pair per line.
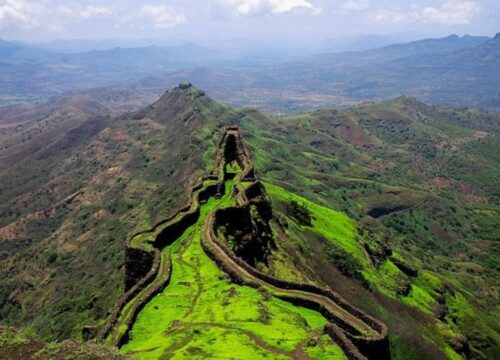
x,y
296,353
199,284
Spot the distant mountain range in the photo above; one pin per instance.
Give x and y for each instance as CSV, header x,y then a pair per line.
x,y
442,45
459,71
28,73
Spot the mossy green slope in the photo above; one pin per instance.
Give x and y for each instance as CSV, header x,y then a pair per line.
x,y
429,170
341,231
202,314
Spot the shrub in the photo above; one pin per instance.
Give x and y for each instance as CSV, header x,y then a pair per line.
x,y
51,257
345,262
300,213
10,338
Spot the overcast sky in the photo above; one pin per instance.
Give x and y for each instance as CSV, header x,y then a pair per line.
x,y
198,20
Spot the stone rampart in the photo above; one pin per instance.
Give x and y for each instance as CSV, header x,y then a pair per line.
x,y
148,270
356,345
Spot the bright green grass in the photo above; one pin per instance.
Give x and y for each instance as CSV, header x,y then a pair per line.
x,y
332,225
337,227
233,167
325,351
423,292
201,314
419,298
386,278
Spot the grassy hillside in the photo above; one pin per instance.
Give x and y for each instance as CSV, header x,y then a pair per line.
x,y
78,190
412,177
393,205
201,311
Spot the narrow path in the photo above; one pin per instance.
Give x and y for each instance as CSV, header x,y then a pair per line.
x,y
198,283
297,353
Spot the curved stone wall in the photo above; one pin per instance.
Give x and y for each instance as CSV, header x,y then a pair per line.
x,y
148,270
373,346
356,344
143,259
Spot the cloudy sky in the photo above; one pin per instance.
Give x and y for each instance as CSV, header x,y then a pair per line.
x,y
198,20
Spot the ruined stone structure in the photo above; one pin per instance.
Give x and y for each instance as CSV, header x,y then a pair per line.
x,y
147,269
359,335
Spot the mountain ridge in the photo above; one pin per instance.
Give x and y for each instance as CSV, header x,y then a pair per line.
x,y
273,83
405,158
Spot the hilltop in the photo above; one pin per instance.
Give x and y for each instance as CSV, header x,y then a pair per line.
x,y
73,189
393,205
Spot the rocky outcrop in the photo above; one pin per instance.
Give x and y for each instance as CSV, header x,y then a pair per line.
x,y
251,233
185,85
230,147
405,267
138,262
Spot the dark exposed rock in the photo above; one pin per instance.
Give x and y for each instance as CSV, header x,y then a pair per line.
x,y
250,230
89,332
440,311
185,85
138,262
461,345
377,212
405,267
404,289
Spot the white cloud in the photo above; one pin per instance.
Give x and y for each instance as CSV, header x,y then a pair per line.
x,y
163,16
84,12
282,6
29,15
18,14
390,16
245,7
355,5
450,12
26,15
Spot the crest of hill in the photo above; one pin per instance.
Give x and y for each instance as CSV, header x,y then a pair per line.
x,y
75,162
186,105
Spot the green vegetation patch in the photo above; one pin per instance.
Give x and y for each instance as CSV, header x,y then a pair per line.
x,y
12,338
334,225
201,314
